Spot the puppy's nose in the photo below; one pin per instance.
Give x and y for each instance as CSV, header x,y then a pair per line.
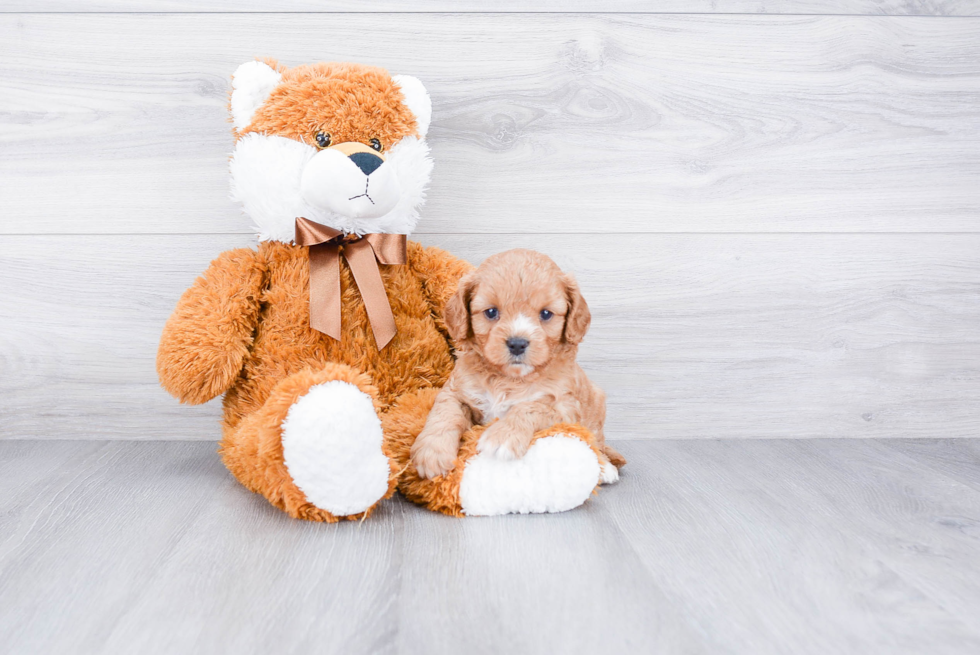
x,y
517,346
367,162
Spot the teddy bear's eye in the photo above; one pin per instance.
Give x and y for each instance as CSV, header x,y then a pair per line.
x,y
491,313
376,144
322,140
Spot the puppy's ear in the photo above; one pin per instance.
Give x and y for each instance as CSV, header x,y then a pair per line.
x,y
457,312
578,317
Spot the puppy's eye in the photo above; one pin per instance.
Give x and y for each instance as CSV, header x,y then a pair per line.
x,y
546,315
491,313
322,140
376,144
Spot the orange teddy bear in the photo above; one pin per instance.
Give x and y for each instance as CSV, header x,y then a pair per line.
x,y
328,340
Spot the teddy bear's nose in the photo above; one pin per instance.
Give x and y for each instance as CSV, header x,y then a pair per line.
x,y
367,162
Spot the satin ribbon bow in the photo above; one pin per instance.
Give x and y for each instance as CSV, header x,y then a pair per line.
x,y
363,253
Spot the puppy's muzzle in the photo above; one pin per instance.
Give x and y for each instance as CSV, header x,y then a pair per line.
x,y
517,346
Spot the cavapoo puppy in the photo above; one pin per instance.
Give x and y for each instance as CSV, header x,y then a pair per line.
x,y
516,322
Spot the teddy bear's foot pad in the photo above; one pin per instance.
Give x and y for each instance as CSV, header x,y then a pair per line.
x,y
331,441
558,473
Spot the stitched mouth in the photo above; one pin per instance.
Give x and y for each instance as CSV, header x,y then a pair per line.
x,y
367,181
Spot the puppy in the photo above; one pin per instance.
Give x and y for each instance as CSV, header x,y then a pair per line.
x,y
516,322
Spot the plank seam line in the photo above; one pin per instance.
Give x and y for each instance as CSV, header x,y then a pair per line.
x,y
469,13
637,440
515,234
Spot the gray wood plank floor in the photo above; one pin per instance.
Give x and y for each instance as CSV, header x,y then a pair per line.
x,y
749,546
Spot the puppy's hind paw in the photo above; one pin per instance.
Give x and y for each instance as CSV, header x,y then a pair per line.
x,y
608,473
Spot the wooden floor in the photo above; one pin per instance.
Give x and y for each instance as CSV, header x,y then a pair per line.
x,y
749,546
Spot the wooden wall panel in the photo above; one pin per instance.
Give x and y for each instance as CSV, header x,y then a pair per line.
x,y
116,123
693,335
775,217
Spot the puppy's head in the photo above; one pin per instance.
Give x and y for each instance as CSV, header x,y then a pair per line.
x,y
518,311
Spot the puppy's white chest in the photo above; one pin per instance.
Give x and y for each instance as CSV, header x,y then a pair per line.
x,y
495,406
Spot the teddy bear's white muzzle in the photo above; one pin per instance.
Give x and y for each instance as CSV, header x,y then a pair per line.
x,y
335,182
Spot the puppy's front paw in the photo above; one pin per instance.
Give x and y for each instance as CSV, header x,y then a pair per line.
x,y
432,459
503,442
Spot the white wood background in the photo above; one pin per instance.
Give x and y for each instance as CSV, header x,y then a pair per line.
x,y
775,214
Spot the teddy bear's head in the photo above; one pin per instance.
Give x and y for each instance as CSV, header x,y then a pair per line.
x,y
340,144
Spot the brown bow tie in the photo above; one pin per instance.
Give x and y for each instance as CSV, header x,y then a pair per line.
x,y
363,255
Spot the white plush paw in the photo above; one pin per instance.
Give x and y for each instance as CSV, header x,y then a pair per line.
x,y
610,473
558,473
331,443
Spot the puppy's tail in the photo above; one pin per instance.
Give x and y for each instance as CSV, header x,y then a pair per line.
x,y
618,460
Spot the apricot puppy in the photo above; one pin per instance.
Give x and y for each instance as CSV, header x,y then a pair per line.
x,y
516,322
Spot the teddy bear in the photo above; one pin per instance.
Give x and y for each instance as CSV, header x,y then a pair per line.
x,y
327,339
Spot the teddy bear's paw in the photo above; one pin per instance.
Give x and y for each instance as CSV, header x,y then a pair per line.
x,y
558,473
331,442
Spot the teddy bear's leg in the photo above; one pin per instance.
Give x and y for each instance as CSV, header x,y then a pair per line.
x,y
315,447
560,470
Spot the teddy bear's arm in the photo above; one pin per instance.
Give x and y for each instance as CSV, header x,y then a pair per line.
x,y
207,337
440,273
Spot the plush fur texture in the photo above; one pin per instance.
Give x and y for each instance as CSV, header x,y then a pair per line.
x,y
252,83
558,473
210,332
351,103
253,449
332,448
417,99
248,336
267,172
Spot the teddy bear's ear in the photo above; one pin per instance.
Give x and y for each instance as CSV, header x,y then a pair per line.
x,y
251,84
417,99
